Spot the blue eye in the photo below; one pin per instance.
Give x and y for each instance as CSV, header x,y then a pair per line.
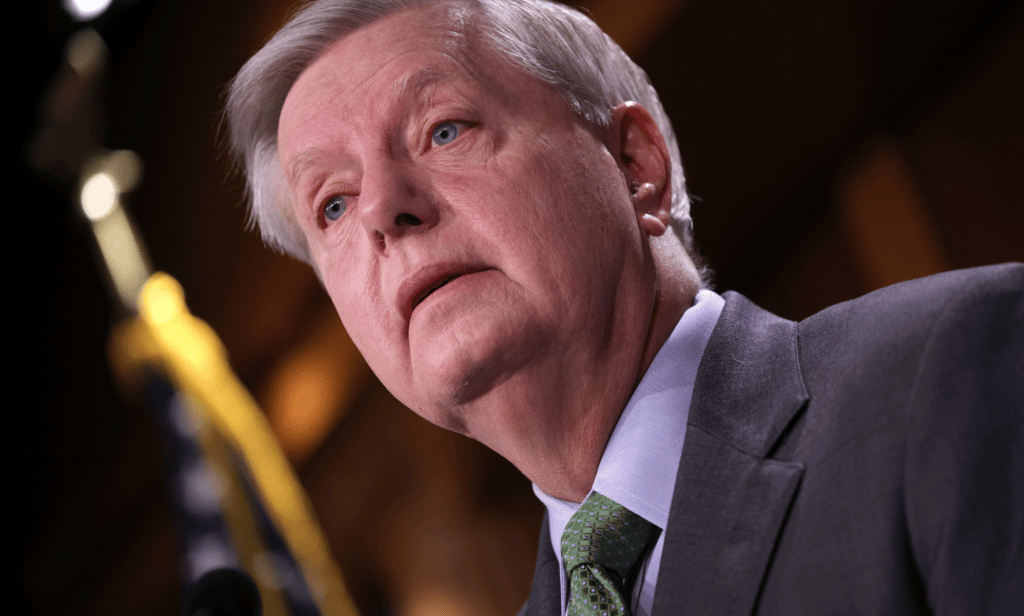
x,y
445,132
334,208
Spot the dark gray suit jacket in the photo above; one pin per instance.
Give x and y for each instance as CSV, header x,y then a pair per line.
x,y
867,460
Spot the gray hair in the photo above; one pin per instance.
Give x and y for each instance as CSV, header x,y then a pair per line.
x,y
555,44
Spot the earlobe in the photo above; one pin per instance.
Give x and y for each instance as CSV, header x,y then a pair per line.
x,y
654,224
643,158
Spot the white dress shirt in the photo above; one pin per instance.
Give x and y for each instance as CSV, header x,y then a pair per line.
x,y
639,464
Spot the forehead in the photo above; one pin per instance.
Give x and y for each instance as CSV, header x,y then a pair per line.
x,y
440,31
374,80
402,52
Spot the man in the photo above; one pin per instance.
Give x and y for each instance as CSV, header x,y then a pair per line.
x,y
493,199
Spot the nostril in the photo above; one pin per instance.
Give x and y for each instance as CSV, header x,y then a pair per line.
x,y
407,220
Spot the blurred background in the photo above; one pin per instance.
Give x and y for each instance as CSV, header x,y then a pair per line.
x,y
834,147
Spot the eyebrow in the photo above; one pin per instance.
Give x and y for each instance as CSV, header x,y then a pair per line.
x,y
413,84
301,161
409,87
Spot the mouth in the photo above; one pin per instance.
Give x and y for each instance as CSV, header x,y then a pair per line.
x,y
423,293
427,281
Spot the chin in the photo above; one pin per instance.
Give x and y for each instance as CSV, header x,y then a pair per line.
x,y
458,379
463,377
468,357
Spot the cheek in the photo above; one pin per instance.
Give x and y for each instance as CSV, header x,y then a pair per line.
x,y
579,207
524,185
375,348
354,307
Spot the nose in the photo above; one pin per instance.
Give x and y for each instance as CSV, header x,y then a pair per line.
x,y
395,202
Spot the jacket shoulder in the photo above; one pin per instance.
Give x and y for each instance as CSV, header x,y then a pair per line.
x,y
889,327
925,297
915,408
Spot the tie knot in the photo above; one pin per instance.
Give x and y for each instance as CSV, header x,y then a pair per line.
x,y
605,533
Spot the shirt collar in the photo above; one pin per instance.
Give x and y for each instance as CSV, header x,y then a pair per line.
x,y
639,464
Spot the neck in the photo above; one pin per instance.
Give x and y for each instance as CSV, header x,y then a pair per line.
x,y
569,473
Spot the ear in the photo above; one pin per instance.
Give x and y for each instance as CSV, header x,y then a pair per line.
x,y
638,146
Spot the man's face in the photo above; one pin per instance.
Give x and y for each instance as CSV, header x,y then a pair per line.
x,y
478,242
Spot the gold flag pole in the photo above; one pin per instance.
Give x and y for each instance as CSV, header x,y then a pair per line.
x,y
192,355
196,361
165,335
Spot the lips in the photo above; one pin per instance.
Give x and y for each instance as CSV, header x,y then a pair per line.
x,y
433,286
427,280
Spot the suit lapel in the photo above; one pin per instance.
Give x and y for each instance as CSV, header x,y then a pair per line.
x,y
730,500
546,593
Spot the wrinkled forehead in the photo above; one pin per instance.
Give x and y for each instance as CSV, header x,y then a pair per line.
x,y
461,31
394,59
454,35
444,31
389,62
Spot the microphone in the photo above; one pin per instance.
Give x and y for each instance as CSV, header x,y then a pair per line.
x,y
224,592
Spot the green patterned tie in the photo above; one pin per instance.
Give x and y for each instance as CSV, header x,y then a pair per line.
x,y
600,547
